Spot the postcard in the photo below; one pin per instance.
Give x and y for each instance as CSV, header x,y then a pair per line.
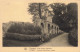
x,y
39,26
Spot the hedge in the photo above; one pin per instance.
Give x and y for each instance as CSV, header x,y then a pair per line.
x,y
21,36
24,28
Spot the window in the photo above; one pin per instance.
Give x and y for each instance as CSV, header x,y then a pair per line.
x,y
42,25
48,28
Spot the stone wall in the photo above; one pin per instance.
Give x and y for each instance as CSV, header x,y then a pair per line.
x,y
47,27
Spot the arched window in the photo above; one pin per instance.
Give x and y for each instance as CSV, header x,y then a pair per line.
x,y
52,26
42,25
48,28
57,29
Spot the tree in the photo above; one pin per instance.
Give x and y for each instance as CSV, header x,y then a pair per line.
x,y
60,16
64,15
73,13
36,9
58,8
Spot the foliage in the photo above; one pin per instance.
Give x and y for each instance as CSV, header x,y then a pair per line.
x,y
65,15
36,9
24,28
73,37
73,14
18,36
58,8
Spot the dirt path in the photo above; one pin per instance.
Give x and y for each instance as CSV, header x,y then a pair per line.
x,y
61,40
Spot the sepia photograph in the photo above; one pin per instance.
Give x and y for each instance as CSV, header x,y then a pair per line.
x,y
40,25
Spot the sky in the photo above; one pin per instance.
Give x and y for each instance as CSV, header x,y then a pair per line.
x,y
15,10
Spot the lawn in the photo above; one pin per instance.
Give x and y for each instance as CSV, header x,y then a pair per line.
x,y
23,43
18,43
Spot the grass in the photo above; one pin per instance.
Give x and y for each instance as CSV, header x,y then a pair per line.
x,y
18,43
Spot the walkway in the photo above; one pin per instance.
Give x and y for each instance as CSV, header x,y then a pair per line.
x,y
59,41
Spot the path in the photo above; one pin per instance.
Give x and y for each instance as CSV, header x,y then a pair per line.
x,y
59,41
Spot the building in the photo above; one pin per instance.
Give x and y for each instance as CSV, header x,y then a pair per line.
x,y
47,27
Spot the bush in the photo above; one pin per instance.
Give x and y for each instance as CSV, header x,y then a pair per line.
x,y
15,28
73,37
24,28
17,36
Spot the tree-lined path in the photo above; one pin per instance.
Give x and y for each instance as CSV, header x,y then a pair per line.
x,y
61,40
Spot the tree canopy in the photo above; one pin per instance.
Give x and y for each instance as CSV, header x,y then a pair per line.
x,y
36,9
65,15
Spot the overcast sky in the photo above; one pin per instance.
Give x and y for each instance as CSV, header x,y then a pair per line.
x,y
14,10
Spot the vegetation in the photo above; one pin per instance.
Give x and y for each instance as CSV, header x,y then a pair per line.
x,y
67,19
65,16
24,28
37,9
17,36
73,37
17,43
